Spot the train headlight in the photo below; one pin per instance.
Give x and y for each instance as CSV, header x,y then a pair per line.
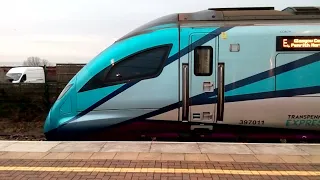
x,y
63,92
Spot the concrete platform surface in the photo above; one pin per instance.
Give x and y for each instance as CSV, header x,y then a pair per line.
x,y
166,151
160,147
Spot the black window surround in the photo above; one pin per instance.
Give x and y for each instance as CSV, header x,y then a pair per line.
x,y
198,59
135,67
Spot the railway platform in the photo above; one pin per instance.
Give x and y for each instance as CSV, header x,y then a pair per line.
x,y
157,160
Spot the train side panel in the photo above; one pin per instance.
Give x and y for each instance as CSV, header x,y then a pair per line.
x,y
141,97
269,88
190,38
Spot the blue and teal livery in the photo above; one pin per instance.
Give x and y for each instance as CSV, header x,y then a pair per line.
x,y
252,67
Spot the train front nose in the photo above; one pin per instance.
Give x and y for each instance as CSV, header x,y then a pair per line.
x,y
60,113
49,133
46,127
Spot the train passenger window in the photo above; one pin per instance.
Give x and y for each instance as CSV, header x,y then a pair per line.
x,y
203,59
142,65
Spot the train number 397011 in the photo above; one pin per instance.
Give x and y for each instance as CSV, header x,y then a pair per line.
x,y
253,122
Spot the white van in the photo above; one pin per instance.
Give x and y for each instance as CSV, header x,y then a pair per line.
x,y
26,75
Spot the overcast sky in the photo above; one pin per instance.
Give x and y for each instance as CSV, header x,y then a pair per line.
x,y
76,30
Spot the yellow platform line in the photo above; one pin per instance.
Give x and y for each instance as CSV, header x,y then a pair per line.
x,y
162,170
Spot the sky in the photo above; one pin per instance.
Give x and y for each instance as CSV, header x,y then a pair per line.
x,y
75,31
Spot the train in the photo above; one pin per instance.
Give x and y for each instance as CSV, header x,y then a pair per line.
x,y
207,73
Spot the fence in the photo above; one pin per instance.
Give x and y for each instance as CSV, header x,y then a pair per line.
x,y
33,98
56,78
27,102
2,76
65,72
44,93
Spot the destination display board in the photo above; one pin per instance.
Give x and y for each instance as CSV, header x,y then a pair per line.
x,y
298,43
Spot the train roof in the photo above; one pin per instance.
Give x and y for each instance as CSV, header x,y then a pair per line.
x,y
230,14
252,13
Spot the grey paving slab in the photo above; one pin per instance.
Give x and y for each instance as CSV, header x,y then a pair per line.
x,y
220,157
57,155
82,146
244,158
80,155
103,155
126,147
4,144
310,149
149,156
313,159
34,155
172,157
196,157
175,147
12,155
30,146
276,149
126,156
269,158
221,148
294,159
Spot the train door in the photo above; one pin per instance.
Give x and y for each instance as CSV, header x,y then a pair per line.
x,y
198,82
